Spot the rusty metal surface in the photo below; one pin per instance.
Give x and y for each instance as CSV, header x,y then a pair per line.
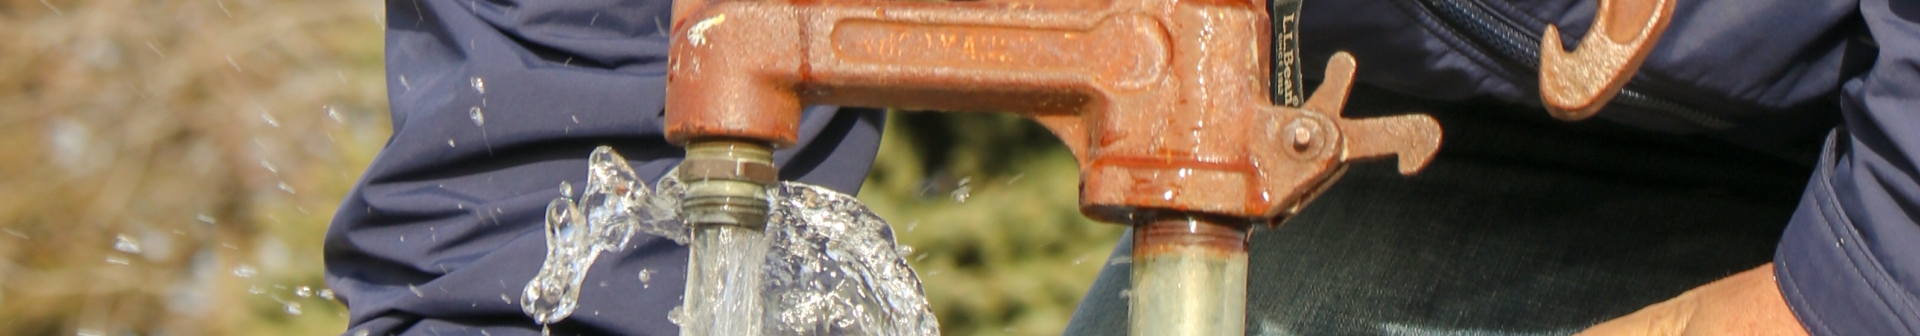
x,y
1165,232
1163,102
1576,85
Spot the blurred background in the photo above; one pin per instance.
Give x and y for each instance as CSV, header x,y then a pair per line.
x,y
169,167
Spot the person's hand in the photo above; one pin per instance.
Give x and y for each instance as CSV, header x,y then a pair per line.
x,y
1748,303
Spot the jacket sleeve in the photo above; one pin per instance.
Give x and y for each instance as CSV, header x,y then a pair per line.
x,y
494,104
1849,263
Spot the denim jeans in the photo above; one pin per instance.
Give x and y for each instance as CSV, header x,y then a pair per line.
x,y
1521,226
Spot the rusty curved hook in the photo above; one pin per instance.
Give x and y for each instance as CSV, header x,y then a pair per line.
x,y
1576,85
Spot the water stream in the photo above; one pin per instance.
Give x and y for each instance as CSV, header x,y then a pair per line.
x,y
824,265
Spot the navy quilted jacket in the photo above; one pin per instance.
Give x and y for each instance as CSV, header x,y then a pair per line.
x,y
444,229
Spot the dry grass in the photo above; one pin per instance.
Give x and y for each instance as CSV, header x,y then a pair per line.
x,y
150,120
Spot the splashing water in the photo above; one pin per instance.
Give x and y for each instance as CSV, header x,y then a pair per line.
x,y
833,269
552,294
964,191
613,199
123,243
829,266
646,277
245,271
479,119
334,113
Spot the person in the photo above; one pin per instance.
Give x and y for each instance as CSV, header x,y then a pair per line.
x,y
1522,225
495,104
1687,208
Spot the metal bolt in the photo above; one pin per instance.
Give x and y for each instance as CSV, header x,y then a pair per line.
x,y
1302,132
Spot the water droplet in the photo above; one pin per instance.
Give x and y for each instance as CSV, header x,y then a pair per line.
x,y
450,143
245,271
270,120
1118,260
204,218
1168,195
963,192
913,225
362,332
293,308
646,275
303,292
285,187
256,290
677,315
478,119
479,85
415,290
566,189
88,332
903,250
117,260
325,293
123,243
334,113
269,166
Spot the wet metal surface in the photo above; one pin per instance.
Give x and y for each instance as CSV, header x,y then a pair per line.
x,y
1189,276
1163,102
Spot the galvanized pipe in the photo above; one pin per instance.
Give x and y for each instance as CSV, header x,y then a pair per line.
x,y
726,204
1189,275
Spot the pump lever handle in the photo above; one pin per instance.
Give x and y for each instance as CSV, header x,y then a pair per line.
x,y
1576,85
1413,138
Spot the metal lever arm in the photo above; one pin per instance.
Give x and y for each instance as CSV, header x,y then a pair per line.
x,y
1576,85
1413,138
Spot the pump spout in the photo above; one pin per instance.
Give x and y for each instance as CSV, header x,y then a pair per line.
x,y
1164,103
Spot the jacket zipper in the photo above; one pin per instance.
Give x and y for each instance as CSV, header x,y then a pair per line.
x,y
1521,49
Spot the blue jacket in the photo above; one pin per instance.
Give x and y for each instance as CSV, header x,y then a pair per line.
x,y
442,232
1774,76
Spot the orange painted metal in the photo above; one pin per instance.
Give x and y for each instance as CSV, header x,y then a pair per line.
x,y
1163,102
1575,85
